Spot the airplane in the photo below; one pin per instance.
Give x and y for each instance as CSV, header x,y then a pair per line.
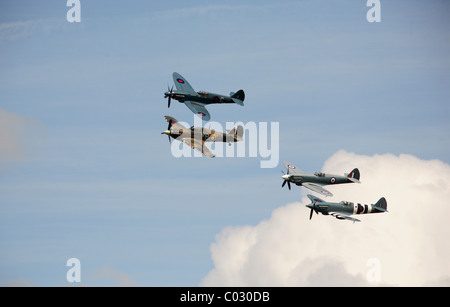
x,y
318,180
196,101
196,137
344,209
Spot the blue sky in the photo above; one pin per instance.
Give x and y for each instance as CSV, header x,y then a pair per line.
x,y
94,179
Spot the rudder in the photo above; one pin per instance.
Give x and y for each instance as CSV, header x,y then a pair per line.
x,y
238,97
354,174
381,204
238,133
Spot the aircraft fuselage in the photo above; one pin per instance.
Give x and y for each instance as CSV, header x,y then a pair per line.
x,y
324,180
201,97
346,208
204,134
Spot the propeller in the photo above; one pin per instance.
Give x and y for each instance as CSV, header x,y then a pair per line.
x,y
285,177
313,208
169,126
169,94
167,132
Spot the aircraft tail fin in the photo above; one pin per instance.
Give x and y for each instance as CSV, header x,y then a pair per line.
x,y
381,205
237,133
354,175
238,97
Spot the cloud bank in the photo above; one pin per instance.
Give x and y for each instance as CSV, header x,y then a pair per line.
x,y
409,243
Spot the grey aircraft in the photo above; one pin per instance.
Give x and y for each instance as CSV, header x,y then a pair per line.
x,y
344,209
196,137
316,181
196,101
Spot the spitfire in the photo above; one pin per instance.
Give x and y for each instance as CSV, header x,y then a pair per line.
x,y
196,101
344,209
316,181
196,137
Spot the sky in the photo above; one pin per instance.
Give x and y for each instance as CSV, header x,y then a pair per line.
x,y
85,172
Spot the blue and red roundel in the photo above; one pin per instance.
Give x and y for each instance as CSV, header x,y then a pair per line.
x,y
202,114
180,80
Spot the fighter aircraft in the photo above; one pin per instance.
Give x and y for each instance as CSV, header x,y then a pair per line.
x,y
196,101
318,180
197,136
344,209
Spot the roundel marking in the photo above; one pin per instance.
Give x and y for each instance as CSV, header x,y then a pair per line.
x,y
180,80
291,166
202,114
333,180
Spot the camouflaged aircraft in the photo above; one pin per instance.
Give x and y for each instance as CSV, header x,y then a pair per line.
x,y
196,137
316,181
196,101
344,209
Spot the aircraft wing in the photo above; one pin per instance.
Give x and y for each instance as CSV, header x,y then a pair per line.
x,y
292,169
315,199
182,84
173,123
198,109
345,217
317,188
199,146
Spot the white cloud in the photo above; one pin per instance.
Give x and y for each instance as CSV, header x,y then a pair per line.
x,y
18,29
17,134
109,274
410,242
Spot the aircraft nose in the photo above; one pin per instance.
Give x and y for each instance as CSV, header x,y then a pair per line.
x,y
166,132
285,177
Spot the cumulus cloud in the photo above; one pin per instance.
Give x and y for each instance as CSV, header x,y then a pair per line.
x,y
409,243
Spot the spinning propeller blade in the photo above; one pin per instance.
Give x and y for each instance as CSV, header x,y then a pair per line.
x,y
284,182
313,209
169,95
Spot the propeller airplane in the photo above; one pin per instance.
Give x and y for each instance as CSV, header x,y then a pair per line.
x,y
196,137
316,181
196,101
344,209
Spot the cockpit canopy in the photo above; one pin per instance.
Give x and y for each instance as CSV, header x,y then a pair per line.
x,y
319,174
346,203
203,93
